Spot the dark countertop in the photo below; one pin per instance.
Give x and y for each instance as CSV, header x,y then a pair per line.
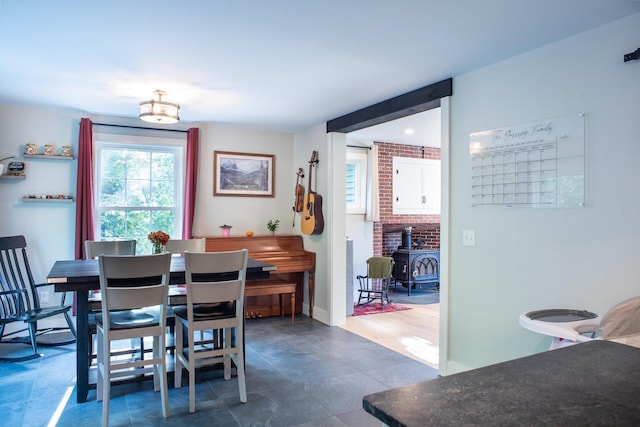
x,y
594,383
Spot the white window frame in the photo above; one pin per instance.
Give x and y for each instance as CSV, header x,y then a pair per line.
x,y
358,157
151,143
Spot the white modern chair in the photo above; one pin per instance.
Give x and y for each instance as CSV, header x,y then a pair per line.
x,y
177,246
213,303
621,324
93,248
134,305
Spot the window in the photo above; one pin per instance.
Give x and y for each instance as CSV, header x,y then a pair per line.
x,y
356,181
139,187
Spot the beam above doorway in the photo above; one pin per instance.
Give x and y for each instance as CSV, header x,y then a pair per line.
x,y
416,101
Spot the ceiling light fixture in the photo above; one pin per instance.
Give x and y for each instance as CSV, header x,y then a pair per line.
x,y
159,111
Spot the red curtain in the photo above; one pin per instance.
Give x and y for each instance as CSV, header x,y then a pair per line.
x,y
190,182
84,190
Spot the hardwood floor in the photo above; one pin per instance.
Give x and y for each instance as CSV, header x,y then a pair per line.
x,y
413,333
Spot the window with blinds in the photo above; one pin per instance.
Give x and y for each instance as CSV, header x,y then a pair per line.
x,y
355,182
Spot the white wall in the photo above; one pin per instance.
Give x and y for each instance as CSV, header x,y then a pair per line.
x,y
244,213
305,142
527,259
48,227
361,232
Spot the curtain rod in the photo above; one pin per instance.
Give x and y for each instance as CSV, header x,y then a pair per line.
x,y
359,146
138,127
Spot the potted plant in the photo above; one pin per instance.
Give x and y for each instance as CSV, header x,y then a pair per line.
x,y
273,225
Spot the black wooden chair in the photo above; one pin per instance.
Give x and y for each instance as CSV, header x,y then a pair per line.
x,y
20,303
375,285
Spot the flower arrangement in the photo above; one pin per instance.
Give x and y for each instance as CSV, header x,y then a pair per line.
x,y
158,239
273,225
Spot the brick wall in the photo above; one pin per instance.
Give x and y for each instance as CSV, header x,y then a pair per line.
x,y
387,234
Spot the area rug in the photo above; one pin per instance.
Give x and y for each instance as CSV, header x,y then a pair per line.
x,y
374,308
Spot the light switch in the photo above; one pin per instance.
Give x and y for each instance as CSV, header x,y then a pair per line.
x,y
469,237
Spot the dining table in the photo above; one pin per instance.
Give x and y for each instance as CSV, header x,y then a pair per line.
x,y
83,277
592,383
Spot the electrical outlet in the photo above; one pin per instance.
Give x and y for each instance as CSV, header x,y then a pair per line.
x,y
469,237
44,297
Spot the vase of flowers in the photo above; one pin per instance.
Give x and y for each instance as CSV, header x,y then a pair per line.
x,y
158,240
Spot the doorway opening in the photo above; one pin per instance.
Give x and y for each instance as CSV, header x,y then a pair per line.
x,y
401,143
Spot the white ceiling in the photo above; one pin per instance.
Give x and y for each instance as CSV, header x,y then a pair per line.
x,y
425,127
269,64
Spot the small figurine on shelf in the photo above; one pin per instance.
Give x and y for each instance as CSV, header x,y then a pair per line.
x,y
66,151
30,149
15,168
48,150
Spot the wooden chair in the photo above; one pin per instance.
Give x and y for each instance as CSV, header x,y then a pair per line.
x,y
93,248
134,305
177,246
215,300
20,303
375,285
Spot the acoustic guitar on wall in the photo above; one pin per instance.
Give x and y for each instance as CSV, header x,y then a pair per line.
x,y
298,202
312,221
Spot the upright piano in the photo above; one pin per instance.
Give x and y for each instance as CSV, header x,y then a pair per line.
x,y
287,253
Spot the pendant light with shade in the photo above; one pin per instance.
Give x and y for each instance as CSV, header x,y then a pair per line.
x,y
159,111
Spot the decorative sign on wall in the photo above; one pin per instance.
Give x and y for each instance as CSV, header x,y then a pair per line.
x,y
537,165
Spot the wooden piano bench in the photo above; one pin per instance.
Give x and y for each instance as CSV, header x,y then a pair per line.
x,y
273,287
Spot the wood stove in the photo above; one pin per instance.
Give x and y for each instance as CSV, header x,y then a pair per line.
x,y
417,268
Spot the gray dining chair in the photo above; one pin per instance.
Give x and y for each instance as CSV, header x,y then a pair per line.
x,y
93,248
180,246
134,292
213,304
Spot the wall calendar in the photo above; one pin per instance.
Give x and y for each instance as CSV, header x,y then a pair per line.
x,y
536,165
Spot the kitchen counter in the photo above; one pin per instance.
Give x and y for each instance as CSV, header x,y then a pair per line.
x,y
593,383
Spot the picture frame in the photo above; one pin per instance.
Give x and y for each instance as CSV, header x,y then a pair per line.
x,y
243,174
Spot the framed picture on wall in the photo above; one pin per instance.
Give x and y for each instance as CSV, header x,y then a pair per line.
x,y
243,174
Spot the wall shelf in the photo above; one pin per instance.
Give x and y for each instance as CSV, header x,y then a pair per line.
x,y
18,177
47,157
40,200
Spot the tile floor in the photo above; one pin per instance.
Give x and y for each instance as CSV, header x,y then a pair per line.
x,y
301,374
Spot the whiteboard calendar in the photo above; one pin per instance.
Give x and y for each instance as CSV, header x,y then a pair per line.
x,y
536,165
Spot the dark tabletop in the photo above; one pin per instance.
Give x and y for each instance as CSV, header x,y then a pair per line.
x,y
594,383
76,275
